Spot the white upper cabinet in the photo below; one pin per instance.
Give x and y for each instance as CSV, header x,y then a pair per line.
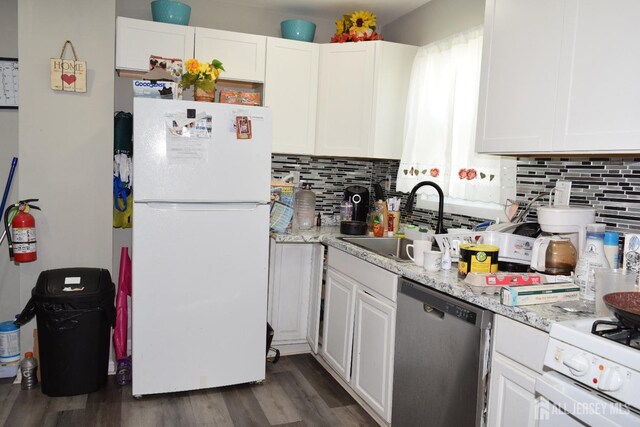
x,y
362,94
137,40
560,77
291,89
242,55
599,88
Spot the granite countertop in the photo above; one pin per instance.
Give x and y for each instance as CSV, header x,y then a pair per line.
x,y
540,316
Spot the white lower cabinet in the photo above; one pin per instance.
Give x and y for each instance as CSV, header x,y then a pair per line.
x,y
359,328
337,335
295,281
516,362
373,345
512,400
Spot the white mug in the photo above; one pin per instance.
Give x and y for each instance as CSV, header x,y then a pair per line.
x,y
432,260
418,247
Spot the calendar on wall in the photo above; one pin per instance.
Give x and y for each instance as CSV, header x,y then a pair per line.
x,y
8,83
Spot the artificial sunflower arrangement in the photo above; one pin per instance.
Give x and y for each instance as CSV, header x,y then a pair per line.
x,y
357,26
202,75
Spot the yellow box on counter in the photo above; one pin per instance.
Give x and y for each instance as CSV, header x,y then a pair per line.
x,y
539,294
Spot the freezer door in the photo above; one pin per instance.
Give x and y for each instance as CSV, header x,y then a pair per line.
x,y
222,155
199,302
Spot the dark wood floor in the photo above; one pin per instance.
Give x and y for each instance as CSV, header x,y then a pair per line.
x,y
297,392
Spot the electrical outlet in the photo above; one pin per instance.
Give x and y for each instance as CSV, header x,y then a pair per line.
x,y
387,183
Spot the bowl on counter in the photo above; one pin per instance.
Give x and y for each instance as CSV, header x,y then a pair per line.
x,y
170,12
298,29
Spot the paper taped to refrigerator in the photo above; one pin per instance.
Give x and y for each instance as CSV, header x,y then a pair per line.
x,y
188,138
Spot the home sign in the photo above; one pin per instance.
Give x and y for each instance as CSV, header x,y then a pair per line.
x,y
68,74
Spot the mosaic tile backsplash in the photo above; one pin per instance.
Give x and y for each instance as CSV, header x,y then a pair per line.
x,y
611,185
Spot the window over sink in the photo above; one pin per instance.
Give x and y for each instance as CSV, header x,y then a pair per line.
x,y
440,132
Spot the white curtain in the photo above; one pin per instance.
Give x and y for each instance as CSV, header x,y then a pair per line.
x,y
440,125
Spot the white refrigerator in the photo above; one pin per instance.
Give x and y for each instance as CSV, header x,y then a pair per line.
x,y
201,188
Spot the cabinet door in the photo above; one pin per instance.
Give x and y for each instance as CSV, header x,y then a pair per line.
x,y
289,291
136,40
373,350
519,79
337,334
512,400
291,89
315,296
599,90
345,99
393,65
242,55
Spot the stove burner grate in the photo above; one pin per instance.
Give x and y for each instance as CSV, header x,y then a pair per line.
x,y
618,331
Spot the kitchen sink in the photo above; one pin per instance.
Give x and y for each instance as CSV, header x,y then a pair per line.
x,y
394,248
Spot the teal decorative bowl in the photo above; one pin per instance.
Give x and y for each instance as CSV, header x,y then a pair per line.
x,y
171,12
298,29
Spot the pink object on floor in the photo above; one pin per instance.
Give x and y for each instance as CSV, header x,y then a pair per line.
x,y
122,316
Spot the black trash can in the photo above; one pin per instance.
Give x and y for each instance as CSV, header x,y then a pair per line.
x,y
74,309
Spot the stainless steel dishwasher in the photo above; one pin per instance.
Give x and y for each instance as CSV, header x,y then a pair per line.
x,y
441,359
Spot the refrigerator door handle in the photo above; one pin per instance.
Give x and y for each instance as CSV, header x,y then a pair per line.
x,y
248,206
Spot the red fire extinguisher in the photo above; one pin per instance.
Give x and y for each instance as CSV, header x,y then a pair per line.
x,y
22,235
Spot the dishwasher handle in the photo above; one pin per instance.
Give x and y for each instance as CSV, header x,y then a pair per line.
x,y
442,305
432,310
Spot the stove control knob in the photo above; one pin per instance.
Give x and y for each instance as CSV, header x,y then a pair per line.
x,y
610,380
577,364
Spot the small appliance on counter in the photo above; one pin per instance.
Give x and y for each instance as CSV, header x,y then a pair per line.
x,y
359,198
566,221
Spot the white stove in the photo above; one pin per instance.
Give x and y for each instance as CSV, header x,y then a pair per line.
x,y
600,381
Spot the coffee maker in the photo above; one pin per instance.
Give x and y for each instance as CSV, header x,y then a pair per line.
x,y
560,226
359,198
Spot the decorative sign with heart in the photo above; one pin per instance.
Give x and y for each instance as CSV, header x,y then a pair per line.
x,y
68,75
68,78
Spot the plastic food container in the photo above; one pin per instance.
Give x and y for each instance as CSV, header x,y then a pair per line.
x,y
477,258
9,342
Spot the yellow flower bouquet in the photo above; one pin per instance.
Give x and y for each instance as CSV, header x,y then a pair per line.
x,y
202,75
356,26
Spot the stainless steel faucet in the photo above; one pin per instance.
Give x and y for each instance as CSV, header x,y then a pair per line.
x,y
409,206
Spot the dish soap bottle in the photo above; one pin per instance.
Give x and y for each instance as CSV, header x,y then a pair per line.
x,y
592,257
305,207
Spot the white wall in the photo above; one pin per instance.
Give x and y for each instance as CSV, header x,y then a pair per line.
x,y
66,138
435,20
9,272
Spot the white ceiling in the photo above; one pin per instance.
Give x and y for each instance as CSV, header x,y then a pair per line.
x,y
386,11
